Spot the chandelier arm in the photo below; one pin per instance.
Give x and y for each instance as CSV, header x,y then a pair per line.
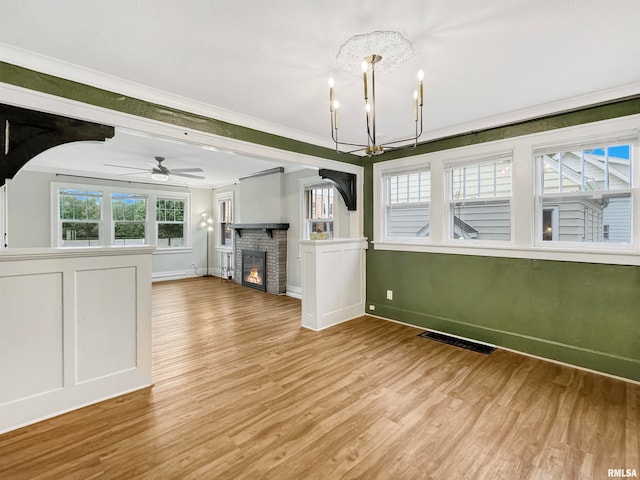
x,y
362,147
408,139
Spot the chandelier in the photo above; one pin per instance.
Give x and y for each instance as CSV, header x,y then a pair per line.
x,y
370,49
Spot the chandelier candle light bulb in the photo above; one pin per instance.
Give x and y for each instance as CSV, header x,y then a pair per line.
x,y
331,84
365,67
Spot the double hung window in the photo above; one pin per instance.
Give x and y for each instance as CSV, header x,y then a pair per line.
x,y
170,221
319,211
79,218
585,193
480,199
129,218
225,212
407,195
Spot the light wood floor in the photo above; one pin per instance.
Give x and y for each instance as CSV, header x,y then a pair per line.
x,y
242,391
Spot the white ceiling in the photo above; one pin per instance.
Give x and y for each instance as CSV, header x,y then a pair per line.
x,y
265,64
117,157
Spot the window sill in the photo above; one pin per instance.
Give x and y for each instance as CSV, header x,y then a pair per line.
x,y
557,253
170,250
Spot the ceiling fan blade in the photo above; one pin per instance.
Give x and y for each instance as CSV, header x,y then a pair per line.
x,y
199,177
124,166
133,173
193,169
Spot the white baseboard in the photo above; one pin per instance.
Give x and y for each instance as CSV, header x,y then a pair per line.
x,y
175,275
294,292
550,360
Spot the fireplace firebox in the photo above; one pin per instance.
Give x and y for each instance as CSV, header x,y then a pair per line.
x,y
254,269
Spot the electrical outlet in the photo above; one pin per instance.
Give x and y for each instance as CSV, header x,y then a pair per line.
x,y
372,307
389,294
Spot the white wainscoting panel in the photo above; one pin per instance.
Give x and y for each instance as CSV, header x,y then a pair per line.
x,y
333,281
105,322
75,329
31,350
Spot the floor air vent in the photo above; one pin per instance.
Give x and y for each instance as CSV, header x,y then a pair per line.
x,y
458,342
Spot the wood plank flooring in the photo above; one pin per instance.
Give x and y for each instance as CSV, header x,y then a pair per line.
x,y
242,391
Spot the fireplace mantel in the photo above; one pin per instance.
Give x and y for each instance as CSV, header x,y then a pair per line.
x,y
265,227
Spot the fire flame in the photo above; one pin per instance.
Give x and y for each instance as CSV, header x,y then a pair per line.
x,y
254,276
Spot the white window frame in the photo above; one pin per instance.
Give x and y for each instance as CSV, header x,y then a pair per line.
x,y
187,220
104,224
474,162
306,184
423,167
525,213
114,222
223,197
107,224
586,143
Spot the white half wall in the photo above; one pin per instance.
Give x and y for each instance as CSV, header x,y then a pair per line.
x,y
333,281
75,329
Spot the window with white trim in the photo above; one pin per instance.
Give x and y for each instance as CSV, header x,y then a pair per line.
x,y
225,216
407,195
569,194
319,211
79,218
129,211
171,222
590,188
480,199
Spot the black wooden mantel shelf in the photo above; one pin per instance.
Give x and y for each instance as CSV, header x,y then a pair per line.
x,y
265,227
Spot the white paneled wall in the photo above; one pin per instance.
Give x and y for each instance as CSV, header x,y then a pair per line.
x,y
75,328
333,281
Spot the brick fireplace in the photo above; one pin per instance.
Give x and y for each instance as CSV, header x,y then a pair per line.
x,y
253,239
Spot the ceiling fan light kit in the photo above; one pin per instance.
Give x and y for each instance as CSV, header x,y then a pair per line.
x,y
368,51
159,176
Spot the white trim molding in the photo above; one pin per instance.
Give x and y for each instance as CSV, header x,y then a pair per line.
x,y
524,216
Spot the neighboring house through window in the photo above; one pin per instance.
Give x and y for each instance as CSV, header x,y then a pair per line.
x,y
585,193
406,202
480,199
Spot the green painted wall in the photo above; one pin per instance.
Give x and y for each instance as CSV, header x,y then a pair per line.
x,y
579,313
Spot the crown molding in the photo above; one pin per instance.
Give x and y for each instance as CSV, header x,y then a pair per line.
x,y
93,78
68,71
537,112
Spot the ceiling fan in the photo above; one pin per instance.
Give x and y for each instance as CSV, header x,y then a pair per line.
x,y
161,173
